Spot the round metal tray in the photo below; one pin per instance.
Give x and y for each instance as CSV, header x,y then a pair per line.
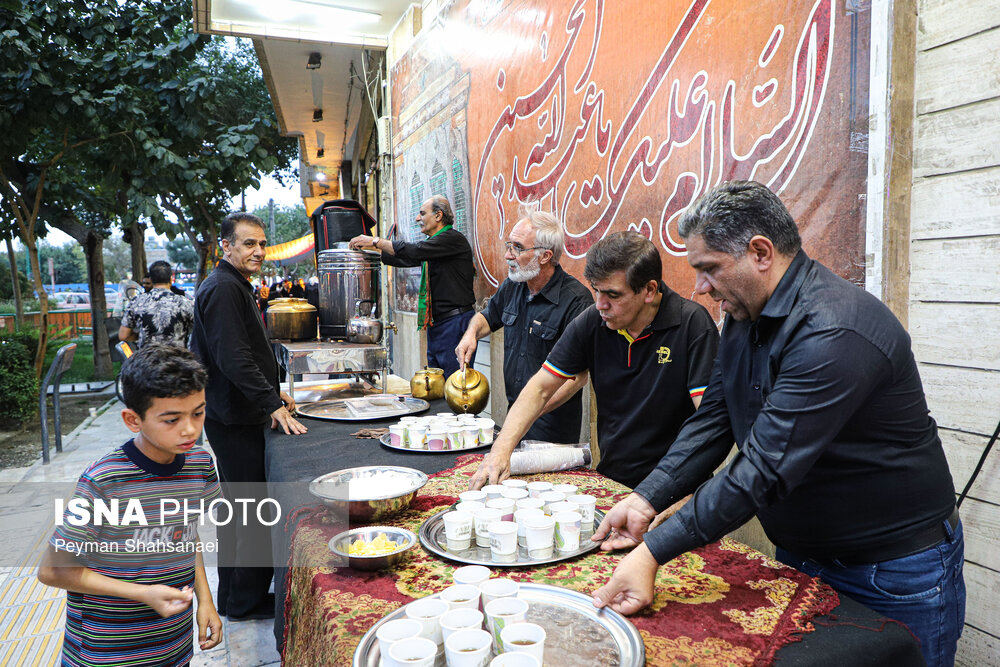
x,y
337,410
384,439
433,539
575,632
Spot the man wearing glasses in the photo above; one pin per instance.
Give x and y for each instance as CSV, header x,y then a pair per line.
x,y
534,305
648,350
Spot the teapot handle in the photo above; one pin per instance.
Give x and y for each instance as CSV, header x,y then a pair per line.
x,y
357,307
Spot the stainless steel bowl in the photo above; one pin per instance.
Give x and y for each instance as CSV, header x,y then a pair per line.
x,y
403,538
332,489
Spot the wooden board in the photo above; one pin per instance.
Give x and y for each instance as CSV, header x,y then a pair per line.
x,y
956,269
981,523
982,608
957,139
958,73
977,649
943,21
956,334
955,205
963,451
961,398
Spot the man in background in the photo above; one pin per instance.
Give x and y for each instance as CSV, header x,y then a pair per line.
x,y
159,314
534,305
446,296
242,399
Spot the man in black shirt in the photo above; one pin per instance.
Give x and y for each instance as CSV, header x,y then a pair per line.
x,y
838,457
534,305
648,350
242,398
446,296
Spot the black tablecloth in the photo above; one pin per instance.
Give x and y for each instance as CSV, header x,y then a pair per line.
x,y
850,635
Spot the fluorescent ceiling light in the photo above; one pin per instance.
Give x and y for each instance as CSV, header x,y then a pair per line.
x,y
345,13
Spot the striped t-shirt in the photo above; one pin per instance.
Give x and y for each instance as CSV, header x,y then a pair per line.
x,y
147,543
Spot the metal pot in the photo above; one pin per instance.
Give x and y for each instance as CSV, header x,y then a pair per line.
x,y
361,329
345,277
291,319
428,384
467,391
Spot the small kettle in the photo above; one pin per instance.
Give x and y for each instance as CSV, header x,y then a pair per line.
x,y
467,391
428,384
361,329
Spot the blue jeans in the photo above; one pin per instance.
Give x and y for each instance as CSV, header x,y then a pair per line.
x,y
925,591
443,338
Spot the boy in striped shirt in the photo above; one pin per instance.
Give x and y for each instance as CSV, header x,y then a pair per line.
x,y
131,564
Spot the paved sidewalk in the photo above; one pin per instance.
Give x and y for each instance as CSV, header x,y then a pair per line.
x,y
32,616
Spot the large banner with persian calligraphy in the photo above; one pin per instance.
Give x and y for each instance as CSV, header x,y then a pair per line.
x,y
618,115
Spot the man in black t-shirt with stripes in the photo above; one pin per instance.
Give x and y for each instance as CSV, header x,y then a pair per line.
x,y
649,353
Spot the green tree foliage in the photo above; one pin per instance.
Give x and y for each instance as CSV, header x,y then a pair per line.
x,y
117,260
68,262
182,254
17,383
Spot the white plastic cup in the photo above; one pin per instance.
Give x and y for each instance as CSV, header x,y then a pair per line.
x,y
550,498
493,491
524,638
460,619
485,425
470,435
566,489
515,660
413,652
461,596
409,420
397,437
514,493
472,575
427,612
417,434
472,506
586,506
483,519
437,438
567,532
529,503
503,541
494,589
477,496
501,613
562,506
458,530
455,436
468,648
515,483
505,505
539,533
519,518
536,489
395,631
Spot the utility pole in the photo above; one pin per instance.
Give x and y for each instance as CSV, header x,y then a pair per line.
x,y
270,218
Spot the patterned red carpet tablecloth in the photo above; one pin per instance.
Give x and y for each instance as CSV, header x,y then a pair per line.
x,y
723,604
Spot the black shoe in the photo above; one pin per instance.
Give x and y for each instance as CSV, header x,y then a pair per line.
x,y
263,609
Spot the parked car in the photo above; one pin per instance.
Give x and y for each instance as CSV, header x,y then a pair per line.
x,y
73,300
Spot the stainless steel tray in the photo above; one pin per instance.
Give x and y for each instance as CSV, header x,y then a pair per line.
x,y
384,439
432,538
575,632
338,411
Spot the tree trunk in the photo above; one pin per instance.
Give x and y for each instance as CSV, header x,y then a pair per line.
x,y
137,241
93,251
93,246
31,244
15,284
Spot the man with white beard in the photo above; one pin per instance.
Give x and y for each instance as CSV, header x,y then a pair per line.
x,y
534,304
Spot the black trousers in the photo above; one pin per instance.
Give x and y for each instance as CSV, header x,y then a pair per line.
x,y
239,452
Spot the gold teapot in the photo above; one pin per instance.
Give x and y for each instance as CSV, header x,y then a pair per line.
x,y
428,384
467,391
